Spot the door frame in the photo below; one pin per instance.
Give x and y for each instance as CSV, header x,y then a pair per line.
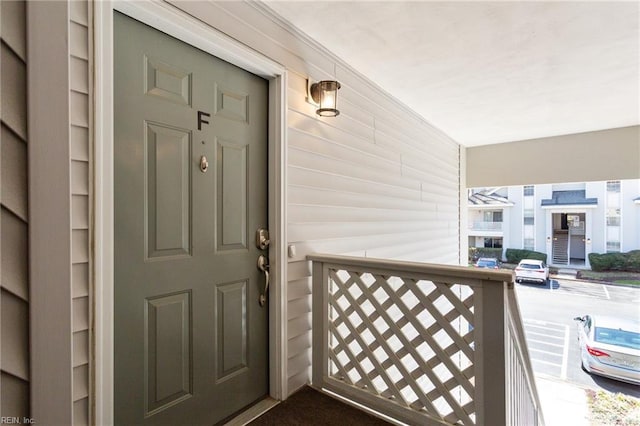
x,y
588,228
186,28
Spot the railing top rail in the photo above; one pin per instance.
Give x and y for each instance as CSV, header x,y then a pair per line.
x,y
427,269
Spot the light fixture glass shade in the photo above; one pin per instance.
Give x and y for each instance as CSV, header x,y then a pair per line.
x,y
325,94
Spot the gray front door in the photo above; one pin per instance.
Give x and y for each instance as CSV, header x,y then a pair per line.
x,y
190,173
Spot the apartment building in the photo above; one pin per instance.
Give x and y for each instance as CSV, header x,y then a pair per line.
x,y
566,221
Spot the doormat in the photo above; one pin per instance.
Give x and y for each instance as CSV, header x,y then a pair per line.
x,y
310,407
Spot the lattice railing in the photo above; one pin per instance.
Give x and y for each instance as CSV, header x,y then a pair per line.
x,y
409,340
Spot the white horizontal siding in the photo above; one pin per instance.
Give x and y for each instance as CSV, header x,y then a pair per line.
x,y
371,182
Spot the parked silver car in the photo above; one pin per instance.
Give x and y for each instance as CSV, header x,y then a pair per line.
x,y
610,347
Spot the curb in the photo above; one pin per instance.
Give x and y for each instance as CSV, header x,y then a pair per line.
x,y
589,281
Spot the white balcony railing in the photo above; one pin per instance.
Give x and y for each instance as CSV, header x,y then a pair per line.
x,y
485,226
422,343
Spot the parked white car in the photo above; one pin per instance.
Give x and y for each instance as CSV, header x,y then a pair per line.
x,y
610,347
532,270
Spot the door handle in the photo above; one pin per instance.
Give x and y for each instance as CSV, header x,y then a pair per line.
x,y
263,265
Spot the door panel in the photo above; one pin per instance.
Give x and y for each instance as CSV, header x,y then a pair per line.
x,y
168,190
232,329
167,350
167,81
232,200
191,339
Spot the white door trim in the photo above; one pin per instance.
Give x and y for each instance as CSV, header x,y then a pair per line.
x,y
190,30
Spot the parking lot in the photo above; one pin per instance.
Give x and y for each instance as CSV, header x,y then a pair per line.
x,y
589,289
548,344
594,290
551,333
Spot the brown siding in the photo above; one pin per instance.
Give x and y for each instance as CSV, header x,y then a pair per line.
x,y
14,295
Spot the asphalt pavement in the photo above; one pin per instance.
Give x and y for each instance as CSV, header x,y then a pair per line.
x,y
552,340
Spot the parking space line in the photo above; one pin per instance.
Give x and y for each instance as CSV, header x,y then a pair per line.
x,y
546,362
540,323
557,345
606,292
546,335
545,352
565,354
547,328
548,345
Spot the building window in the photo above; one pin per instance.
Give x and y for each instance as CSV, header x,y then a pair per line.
x,y
493,242
613,186
613,216
613,220
493,216
613,246
529,244
528,218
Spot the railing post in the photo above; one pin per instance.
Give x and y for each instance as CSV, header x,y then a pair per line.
x,y
318,321
490,352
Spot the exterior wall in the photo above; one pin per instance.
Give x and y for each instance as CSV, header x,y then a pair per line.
x,y
80,154
542,192
513,228
595,218
598,224
507,214
630,189
376,181
59,187
14,226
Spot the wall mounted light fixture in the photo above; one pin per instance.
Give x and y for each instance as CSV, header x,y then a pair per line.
x,y
324,94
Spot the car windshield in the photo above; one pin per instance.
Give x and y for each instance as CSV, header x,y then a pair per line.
x,y
485,262
530,266
611,336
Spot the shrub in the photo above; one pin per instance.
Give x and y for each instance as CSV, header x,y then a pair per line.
x,y
516,255
477,252
615,261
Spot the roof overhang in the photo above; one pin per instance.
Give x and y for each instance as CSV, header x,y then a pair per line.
x,y
571,207
489,206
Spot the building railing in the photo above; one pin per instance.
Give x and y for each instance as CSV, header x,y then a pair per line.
x,y
485,226
422,343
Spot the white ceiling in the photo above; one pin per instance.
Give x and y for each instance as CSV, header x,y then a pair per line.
x,y
490,72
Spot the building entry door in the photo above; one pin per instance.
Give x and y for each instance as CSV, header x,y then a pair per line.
x,y
190,191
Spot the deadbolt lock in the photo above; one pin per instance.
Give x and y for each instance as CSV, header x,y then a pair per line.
x,y
262,239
